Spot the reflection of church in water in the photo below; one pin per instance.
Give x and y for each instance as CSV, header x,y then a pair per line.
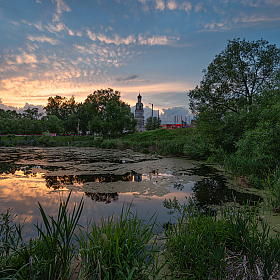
x,y
138,177
139,114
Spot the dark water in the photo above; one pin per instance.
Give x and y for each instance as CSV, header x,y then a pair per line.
x,y
23,186
213,190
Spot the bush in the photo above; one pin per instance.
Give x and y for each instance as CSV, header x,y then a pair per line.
x,y
145,151
197,147
108,144
47,139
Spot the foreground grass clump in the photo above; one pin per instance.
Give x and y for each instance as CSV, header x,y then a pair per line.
x,y
120,249
116,249
207,247
47,257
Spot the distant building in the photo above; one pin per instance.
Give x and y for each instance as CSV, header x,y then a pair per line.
x,y
139,114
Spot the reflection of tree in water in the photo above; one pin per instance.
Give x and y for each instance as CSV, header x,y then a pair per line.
x,y
178,186
8,168
57,182
211,191
103,197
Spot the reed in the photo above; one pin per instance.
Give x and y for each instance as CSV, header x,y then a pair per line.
x,y
202,246
47,257
119,248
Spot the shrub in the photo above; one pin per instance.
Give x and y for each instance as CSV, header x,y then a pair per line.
x,y
145,151
47,139
109,144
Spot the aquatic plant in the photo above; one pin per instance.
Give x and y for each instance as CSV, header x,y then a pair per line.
x,y
47,257
203,246
122,248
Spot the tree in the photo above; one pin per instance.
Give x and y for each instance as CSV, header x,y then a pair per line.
x,y
32,113
156,123
65,109
52,124
108,114
54,105
236,77
117,119
232,90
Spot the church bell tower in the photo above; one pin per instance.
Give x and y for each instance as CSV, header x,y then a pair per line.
x,y
139,114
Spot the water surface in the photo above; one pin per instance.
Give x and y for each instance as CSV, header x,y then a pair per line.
x,y
106,180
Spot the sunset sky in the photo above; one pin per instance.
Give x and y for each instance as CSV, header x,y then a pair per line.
x,y
157,47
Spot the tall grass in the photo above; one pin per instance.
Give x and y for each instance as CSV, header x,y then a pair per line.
x,y
119,249
213,247
123,248
47,257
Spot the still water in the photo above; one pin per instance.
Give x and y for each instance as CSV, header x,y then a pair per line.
x,y
106,180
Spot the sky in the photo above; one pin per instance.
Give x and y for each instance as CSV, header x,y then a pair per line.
x,y
157,47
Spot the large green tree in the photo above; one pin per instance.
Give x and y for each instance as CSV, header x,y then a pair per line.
x,y
231,90
108,114
64,109
236,77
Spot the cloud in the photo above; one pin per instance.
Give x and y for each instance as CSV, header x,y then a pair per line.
x,y
256,19
242,20
6,107
172,5
273,2
154,40
160,5
61,7
129,78
55,28
26,58
23,58
169,114
117,40
130,39
187,6
199,7
71,33
161,94
21,109
91,35
42,39
14,22
39,26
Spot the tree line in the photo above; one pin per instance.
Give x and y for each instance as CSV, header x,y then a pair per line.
x,y
102,112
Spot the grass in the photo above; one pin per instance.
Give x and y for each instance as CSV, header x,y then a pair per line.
x,y
200,246
209,247
47,257
60,140
119,249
